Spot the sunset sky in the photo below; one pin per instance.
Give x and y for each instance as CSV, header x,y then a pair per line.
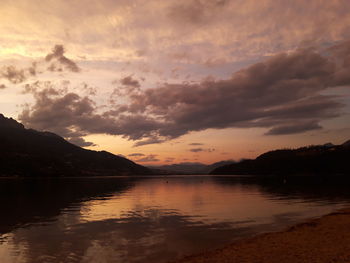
x,y
171,81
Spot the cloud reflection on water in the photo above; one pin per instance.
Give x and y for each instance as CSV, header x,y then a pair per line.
x,y
151,220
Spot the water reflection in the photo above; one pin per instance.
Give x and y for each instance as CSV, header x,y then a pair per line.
x,y
149,219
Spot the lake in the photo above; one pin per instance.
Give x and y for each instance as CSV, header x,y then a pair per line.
x,y
153,219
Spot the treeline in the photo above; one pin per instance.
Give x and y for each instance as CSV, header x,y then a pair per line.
x,y
313,160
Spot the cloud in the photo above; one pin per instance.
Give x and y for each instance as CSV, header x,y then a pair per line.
x,y
62,112
13,75
195,12
196,150
136,154
151,140
169,159
3,86
195,144
213,30
16,75
288,93
130,81
129,85
73,116
32,70
341,52
285,90
147,159
294,128
80,142
57,55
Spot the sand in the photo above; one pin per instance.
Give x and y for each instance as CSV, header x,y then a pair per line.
x,y
326,239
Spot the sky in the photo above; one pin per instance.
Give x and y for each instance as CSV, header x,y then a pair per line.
x,y
174,81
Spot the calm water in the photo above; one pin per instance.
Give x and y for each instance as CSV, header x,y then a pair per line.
x,y
150,219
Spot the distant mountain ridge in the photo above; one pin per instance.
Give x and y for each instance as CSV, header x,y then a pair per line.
x,y
189,167
27,152
319,159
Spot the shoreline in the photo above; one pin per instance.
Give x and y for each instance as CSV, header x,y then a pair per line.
x,y
322,240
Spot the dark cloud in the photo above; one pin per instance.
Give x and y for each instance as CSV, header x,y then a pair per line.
x,y
285,90
57,55
151,140
91,91
195,12
130,81
195,144
62,112
294,128
342,54
16,75
136,154
13,75
80,142
32,70
147,159
72,116
169,159
19,75
129,85
285,94
196,150
3,86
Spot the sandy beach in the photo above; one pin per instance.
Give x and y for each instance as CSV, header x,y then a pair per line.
x,y
325,240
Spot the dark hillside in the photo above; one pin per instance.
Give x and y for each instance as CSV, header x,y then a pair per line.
x,y
321,159
26,152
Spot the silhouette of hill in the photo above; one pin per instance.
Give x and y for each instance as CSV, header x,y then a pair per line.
x,y
320,159
27,152
189,167
347,143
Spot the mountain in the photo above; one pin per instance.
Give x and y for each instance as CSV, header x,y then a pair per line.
x,y
346,144
328,145
219,164
188,168
319,159
27,152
